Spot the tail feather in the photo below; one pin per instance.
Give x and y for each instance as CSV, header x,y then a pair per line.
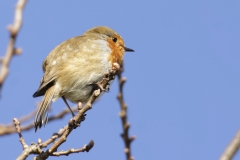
x,y
42,116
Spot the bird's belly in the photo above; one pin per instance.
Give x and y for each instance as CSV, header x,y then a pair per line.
x,y
79,94
80,87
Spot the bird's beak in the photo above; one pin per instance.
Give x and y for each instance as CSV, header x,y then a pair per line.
x,y
128,49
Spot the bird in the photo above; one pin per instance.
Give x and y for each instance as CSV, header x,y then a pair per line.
x,y
73,67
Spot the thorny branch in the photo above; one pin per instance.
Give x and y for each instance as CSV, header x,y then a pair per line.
x,y
10,129
11,50
59,138
232,148
123,114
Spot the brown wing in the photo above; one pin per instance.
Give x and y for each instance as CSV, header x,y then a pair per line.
x,y
56,58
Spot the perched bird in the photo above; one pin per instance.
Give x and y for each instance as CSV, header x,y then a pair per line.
x,y
72,68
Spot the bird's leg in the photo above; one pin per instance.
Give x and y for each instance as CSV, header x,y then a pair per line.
x,y
65,101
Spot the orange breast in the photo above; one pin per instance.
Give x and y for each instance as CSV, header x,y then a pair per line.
x,y
117,52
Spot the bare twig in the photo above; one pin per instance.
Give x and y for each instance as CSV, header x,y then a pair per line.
x,y
9,129
17,126
123,114
72,124
11,50
52,139
85,148
232,148
26,149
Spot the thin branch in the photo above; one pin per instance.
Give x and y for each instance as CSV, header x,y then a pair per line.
x,y
76,120
123,114
17,126
232,148
27,150
9,129
52,138
85,148
11,50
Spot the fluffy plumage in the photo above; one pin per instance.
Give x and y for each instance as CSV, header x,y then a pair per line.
x,y
72,67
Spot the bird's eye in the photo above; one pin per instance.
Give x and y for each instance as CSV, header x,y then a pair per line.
x,y
114,39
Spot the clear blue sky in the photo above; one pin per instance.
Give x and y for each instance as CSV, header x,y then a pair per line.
x,y
183,88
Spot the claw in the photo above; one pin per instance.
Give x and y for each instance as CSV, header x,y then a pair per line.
x,y
83,117
73,123
99,86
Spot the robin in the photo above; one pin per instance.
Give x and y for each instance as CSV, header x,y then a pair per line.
x,y
72,68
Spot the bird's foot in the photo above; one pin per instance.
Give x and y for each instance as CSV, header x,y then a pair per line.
x,y
74,124
106,89
104,85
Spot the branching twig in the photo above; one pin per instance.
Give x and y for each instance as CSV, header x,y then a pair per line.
x,y
72,124
52,138
85,148
27,150
232,148
123,114
9,129
11,50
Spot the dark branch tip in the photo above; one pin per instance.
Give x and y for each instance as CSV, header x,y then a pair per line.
x,y
89,146
55,134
